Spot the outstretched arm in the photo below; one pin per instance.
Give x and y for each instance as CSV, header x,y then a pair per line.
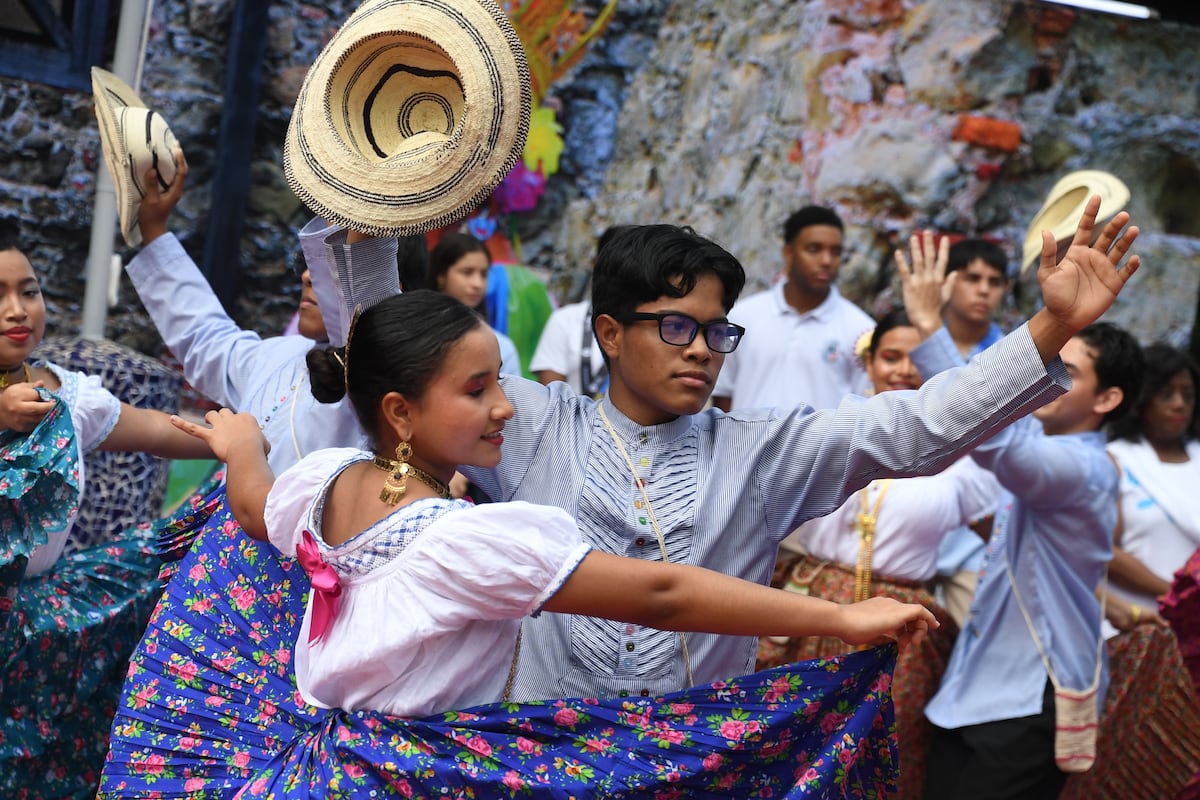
x,y
1081,287
686,598
237,440
145,430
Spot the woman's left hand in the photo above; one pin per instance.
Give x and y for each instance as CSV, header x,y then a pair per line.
x,y
22,407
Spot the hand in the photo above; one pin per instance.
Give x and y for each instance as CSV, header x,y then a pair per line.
x,y
925,286
156,205
22,408
1081,287
881,619
1127,616
228,433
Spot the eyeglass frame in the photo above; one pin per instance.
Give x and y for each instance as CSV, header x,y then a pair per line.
x,y
659,317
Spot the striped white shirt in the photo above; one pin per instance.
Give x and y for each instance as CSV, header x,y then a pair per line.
x,y
726,489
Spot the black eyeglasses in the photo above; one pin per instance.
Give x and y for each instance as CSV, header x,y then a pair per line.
x,y
680,330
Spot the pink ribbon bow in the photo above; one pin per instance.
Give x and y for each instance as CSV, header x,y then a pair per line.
x,y
326,588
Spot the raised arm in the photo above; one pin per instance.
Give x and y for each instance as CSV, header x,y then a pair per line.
x,y
924,285
217,356
1081,287
237,440
685,598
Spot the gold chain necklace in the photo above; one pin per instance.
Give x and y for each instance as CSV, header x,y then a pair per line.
x,y
405,469
25,370
866,545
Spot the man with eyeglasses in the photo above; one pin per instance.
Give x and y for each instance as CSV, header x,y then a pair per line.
x,y
648,472
805,331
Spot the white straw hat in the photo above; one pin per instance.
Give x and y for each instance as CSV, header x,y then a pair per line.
x,y
1064,206
133,139
410,116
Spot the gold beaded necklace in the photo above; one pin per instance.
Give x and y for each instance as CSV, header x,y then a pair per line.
x,y
25,371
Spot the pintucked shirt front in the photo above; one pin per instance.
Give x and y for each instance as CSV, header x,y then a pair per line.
x,y
725,490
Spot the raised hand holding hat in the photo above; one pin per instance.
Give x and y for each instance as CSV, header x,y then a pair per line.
x,y
134,140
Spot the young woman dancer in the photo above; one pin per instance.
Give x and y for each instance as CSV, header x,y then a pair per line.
x,y
67,623
415,609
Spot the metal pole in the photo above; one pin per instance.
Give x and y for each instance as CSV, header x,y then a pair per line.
x,y
127,65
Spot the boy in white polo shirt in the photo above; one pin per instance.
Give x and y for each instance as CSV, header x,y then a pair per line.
x,y
801,347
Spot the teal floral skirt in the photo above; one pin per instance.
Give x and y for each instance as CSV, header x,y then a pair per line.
x,y
210,710
65,634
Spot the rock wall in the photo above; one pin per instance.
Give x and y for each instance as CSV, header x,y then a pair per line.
x,y
959,116
722,114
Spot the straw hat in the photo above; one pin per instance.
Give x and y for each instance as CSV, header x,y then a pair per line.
x,y
133,139
410,116
1061,212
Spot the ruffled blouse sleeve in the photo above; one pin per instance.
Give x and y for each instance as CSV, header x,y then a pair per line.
x,y
494,561
289,509
95,412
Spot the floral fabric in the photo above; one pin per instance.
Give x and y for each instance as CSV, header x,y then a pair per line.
x,y
1181,608
210,710
64,647
918,670
39,482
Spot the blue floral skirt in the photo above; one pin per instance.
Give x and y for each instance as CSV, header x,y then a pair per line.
x,y
210,710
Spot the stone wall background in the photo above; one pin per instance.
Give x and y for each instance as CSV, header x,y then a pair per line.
x,y
751,108
723,114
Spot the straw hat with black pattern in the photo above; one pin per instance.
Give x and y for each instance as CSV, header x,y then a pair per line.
x,y
1064,206
410,116
133,139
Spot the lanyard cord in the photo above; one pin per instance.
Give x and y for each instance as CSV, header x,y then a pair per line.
x,y
662,544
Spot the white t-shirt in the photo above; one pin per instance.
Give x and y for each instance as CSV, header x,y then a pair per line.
x,y
94,413
914,515
1160,510
788,359
560,348
432,595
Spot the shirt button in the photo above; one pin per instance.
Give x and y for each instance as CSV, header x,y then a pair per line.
x,y
623,693
641,540
645,692
630,646
629,629
629,663
643,438
645,461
